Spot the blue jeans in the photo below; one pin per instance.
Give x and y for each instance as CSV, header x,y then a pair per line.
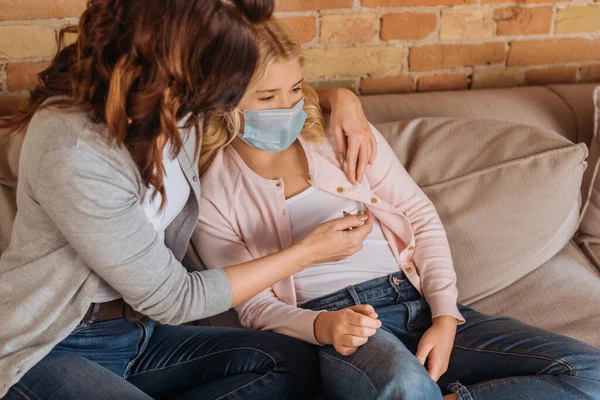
x,y
493,357
116,359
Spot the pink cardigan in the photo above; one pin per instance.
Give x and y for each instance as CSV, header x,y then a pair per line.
x,y
244,216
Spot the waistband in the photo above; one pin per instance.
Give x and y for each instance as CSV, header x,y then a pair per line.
x,y
361,293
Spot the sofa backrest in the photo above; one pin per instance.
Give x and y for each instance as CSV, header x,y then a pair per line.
x,y
565,109
10,146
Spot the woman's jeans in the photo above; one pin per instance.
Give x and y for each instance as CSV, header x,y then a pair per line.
x,y
493,357
116,359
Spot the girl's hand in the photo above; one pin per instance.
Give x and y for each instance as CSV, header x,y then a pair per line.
x,y
336,240
347,329
436,346
354,141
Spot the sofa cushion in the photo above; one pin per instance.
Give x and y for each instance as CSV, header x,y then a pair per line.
x,y
591,248
8,211
10,144
589,230
579,100
561,296
590,220
538,105
10,148
508,193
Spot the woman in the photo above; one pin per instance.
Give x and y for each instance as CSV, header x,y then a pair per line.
x,y
108,198
386,318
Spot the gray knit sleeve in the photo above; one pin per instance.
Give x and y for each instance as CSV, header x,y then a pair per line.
x,y
94,203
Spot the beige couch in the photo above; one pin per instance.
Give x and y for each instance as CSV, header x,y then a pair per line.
x,y
559,289
561,294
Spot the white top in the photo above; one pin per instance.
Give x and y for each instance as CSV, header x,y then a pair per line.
x,y
313,207
177,190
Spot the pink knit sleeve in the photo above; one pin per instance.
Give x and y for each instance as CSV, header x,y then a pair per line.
x,y
391,182
219,246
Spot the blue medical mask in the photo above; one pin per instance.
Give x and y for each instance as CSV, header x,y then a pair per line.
x,y
273,130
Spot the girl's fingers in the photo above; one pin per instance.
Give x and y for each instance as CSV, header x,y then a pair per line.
x,y
436,366
353,341
361,332
363,321
365,309
345,350
423,351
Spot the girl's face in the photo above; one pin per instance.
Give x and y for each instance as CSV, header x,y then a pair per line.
x,y
281,88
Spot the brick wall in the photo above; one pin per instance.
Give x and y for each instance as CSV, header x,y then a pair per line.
x,y
378,46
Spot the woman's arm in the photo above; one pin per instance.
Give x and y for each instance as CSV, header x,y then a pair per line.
x,y
354,142
433,260
219,246
94,202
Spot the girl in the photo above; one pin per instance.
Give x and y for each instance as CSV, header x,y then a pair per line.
x,y
385,318
108,199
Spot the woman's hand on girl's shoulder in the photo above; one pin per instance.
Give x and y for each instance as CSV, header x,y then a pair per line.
x,y
355,145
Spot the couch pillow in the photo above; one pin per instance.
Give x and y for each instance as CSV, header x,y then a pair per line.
x,y
590,220
507,193
561,296
10,148
589,229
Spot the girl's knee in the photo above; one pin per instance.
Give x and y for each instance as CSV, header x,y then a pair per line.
x,y
411,383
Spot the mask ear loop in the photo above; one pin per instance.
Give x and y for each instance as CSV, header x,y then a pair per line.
x,y
240,128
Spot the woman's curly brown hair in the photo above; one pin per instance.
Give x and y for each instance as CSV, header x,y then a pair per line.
x,y
140,66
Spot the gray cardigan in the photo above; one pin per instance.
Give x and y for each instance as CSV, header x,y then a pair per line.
x,y
80,219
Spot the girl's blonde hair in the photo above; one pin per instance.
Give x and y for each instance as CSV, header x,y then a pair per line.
x,y
277,44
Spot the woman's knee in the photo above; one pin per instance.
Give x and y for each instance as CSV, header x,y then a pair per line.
x,y
292,361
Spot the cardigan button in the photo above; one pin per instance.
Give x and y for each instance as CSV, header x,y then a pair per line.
x,y
340,190
374,200
195,178
411,248
309,178
409,270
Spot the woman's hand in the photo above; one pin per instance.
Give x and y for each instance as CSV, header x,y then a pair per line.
x,y
336,240
355,145
331,241
436,346
347,329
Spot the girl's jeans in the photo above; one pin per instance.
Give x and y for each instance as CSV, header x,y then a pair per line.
x,y
493,357
116,359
